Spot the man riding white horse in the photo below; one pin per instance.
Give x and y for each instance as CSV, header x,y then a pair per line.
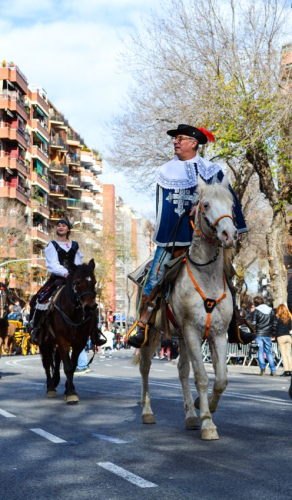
x,y
177,192
62,257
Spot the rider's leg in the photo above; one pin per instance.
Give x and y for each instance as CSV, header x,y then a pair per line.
x,y
156,273
97,337
36,328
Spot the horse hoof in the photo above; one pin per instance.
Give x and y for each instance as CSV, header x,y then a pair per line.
x,y
192,423
52,394
71,398
197,403
148,419
209,435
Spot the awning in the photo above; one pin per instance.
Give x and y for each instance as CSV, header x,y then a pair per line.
x,y
22,176
39,166
9,171
40,111
42,138
9,113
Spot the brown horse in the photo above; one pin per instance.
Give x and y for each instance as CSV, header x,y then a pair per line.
x,y
69,322
6,330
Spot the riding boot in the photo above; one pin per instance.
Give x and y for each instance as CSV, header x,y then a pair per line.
x,y
36,327
97,337
147,306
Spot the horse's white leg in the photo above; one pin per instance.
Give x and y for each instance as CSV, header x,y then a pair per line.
x,y
145,363
183,366
218,347
208,428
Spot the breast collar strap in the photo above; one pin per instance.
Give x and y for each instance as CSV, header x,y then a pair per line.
x,y
209,304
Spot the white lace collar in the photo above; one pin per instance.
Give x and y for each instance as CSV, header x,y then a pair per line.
x,y
177,174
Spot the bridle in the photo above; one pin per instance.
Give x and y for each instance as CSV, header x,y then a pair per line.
x,y
200,231
79,304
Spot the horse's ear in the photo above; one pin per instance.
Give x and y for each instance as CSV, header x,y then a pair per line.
x,y
91,264
201,184
225,181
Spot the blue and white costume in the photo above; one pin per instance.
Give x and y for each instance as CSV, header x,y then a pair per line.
x,y
177,191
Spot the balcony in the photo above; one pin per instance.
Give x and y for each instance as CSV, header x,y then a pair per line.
x,y
39,208
13,103
73,159
40,180
59,169
8,190
14,74
58,191
13,133
42,155
58,143
39,126
57,119
38,99
74,182
13,161
40,234
56,214
73,139
74,204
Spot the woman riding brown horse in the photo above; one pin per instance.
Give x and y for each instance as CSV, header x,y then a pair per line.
x,y
67,325
6,330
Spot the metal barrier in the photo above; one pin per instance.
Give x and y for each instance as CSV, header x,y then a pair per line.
x,y
243,354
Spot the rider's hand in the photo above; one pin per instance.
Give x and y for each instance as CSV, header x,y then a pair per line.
x,y
193,210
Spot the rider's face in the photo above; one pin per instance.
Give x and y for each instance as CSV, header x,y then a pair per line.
x,y
62,229
184,147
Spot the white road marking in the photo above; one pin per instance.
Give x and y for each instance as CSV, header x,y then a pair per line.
x,y
128,476
7,414
108,365
111,439
48,436
154,370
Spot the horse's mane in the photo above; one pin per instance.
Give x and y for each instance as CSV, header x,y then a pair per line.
x,y
218,191
80,272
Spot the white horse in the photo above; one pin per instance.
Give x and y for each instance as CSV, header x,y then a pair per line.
x,y
202,305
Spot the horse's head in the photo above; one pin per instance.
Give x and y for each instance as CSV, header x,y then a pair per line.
x,y
3,300
214,212
83,285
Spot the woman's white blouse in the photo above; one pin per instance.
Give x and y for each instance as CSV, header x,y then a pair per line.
x,y
52,260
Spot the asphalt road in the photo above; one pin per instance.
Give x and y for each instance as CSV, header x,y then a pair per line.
x,y
99,449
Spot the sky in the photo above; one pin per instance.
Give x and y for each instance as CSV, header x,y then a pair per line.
x,y
70,48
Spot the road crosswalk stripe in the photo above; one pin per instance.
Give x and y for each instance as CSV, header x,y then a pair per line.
x,y
7,414
48,435
111,439
128,476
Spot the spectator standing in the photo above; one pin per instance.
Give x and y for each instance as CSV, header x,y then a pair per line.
x,y
263,319
82,366
282,333
109,345
25,314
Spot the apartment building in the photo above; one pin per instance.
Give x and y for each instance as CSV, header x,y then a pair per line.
x,y
46,168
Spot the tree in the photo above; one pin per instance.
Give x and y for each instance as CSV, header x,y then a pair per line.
x,y
216,65
14,243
